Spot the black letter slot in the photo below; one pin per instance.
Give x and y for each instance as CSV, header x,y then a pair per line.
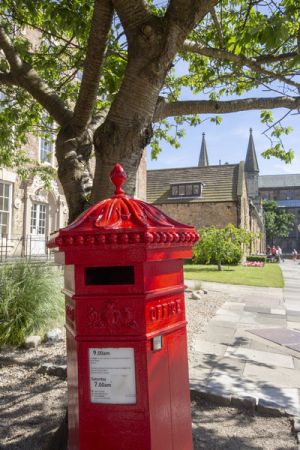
x,y
109,275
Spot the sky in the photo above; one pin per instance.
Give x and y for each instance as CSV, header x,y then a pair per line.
x,y
228,142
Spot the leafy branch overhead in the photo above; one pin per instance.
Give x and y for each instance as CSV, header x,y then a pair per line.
x,y
115,75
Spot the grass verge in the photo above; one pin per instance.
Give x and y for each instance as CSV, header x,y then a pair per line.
x,y
268,276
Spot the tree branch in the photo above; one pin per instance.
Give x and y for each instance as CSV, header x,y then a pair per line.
x,y
191,107
240,60
264,59
217,26
11,55
132,13
26,77
186,13
6,78
101,23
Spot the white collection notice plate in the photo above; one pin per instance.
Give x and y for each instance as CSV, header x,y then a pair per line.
x,y
112,375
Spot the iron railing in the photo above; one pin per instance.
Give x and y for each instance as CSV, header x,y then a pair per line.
x,y
18,247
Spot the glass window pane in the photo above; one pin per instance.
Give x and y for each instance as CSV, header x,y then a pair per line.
x,y
182,190
174,191
4,219
196,189
33,218
1,189
189,190
3,224
45,150
3,230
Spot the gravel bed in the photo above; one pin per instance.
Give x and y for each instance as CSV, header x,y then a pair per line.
x,y
32,404
198,314
224,428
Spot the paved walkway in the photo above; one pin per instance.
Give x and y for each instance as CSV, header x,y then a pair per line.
x,y
231,361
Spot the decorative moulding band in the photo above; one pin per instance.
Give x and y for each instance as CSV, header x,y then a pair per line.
x,y
155,237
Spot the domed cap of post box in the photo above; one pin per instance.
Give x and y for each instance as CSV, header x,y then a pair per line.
x,y
122,220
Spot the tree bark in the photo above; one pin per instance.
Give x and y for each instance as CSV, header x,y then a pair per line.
x,y
73,151
115,143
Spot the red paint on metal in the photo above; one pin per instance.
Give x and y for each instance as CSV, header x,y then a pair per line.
x,y
144,250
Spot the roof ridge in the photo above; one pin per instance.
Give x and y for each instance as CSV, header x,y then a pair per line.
x,y
195,167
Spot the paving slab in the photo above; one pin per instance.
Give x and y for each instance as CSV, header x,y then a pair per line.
x,y
295,347
218,334
209,347
293,325
281,377
257,345
278,335
222,323
296,363
258,356
240,359
229,365
222,383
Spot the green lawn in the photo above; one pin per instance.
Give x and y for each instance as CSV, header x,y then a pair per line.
x,y
268,276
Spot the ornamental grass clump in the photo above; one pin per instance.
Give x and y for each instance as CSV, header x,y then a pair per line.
x,y
30,300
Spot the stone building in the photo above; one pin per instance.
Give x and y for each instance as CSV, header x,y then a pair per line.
x,y
207,195
285,190
29,213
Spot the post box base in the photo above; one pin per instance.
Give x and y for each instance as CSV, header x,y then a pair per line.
x,y
160,419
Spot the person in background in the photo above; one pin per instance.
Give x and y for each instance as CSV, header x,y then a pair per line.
x,y
294,254
279,253
274,253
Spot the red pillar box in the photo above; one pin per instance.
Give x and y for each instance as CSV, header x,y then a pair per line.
x,y
128,383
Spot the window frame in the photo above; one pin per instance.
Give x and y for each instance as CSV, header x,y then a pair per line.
x,y
38,206
9,211
51,161
185,184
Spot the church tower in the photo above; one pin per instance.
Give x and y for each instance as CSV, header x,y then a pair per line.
x,y
203,158
251,169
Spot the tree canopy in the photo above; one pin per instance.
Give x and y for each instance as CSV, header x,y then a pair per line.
x,y
278,222
108,77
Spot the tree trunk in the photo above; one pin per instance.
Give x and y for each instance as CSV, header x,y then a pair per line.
x,y
115,143
73,151
219,266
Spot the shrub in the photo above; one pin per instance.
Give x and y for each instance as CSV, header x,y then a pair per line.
x,y
30,300
221,245
256,258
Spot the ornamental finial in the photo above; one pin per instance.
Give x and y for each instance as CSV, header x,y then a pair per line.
x,y
118,178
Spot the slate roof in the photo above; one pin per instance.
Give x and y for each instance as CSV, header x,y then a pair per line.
x,y
221,183
278,181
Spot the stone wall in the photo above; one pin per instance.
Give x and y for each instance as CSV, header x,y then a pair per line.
x,y
243,210
23,196
141,179
202,214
